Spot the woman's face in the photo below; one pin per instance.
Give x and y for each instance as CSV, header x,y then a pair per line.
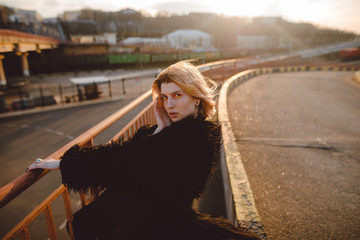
x,y
176,102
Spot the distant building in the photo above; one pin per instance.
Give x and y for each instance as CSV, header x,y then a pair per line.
x,y
111,38
84,49
71,15
145,44
25,16
106,38
185,39
128,11
189,39
26,20
51,20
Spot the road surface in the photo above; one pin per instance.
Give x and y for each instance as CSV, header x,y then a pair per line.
x,y
299,138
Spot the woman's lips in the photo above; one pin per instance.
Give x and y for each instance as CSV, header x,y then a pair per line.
x,y
173,114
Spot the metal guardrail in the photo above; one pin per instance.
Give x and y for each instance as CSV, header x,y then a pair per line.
x,y
218,71
25,180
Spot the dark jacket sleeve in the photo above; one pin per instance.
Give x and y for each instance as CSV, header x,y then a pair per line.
x,y
97,167
174,163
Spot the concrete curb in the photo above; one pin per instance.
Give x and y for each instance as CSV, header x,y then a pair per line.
x,y
59,107
239,199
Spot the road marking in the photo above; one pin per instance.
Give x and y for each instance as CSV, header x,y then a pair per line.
x,y
49,130
287,142
63,225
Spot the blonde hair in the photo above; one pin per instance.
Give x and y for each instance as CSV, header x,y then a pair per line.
x,y
191,81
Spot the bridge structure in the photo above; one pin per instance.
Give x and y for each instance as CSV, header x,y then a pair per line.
x,y
20,44
240,209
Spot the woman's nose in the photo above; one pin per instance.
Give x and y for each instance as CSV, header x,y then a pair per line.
x,y
170,103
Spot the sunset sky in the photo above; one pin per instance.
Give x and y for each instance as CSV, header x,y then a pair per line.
x,y
339,14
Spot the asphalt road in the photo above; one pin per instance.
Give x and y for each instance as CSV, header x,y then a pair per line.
x,y
25,138
299,138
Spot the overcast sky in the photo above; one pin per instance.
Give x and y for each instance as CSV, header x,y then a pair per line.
x,y
339,14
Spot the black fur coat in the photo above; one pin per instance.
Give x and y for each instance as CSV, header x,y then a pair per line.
x,y
150,182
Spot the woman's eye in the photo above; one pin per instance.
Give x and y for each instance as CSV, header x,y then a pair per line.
x,y
163,97
177,96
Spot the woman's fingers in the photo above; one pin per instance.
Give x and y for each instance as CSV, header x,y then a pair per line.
x,y
162,118
48,163
35,165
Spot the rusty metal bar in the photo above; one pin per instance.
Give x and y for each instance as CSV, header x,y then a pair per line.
x,y
89,143
25,234
127,134
19,228
82,198
147,119
50,222
137,124
131,123
69,212
133,129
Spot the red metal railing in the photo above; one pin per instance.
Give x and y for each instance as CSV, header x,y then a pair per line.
x,y
218,71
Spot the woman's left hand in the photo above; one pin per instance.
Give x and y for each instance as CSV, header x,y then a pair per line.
x,y
162,118
48,163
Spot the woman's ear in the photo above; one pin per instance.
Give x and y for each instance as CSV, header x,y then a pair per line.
x,y
197,101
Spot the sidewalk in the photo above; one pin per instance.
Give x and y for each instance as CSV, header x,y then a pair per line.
x,y
60,106
136,83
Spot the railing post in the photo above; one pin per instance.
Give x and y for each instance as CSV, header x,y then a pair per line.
x,y
82,198
25,235
61,94
79,93
127,134
42,96
50,222
22,105
123,85
110,94
69,212
132,130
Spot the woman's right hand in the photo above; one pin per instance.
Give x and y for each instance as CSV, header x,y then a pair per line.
x,y
162,118
48,163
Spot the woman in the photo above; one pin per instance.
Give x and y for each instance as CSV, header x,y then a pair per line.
x,y
150,181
